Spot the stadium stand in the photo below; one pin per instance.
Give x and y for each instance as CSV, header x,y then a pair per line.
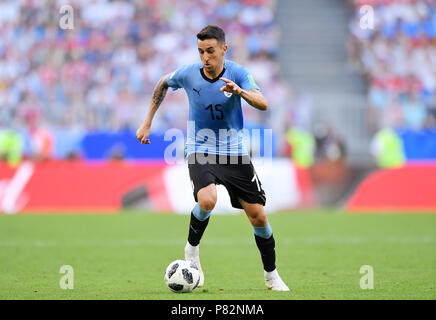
x,y
99,76
70,86
398,57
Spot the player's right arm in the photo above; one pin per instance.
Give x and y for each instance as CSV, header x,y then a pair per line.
x,y
157,97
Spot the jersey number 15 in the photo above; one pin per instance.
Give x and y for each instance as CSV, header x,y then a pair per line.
x,y
216,114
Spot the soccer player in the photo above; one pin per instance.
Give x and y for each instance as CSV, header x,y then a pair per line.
x,y
215,88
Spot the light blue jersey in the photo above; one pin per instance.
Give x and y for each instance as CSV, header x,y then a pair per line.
x,y
215,117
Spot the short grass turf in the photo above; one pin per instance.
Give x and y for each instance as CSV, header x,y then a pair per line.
x,y
319,256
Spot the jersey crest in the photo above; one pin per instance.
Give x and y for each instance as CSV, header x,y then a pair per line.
x,y
228,94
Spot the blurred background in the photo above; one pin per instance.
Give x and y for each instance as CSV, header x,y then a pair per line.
x,y
352,105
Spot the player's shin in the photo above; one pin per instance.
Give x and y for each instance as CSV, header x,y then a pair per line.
x,y
266,244
197,225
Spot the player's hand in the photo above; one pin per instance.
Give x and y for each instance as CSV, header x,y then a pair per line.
x,y
142,134
231,86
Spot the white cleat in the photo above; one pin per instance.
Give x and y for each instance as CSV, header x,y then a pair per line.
x,y
274,282
193,254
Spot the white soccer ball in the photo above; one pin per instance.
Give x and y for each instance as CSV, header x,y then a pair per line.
x,y
182,276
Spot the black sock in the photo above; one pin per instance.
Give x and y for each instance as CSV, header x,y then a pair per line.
x,y
196,230
267,252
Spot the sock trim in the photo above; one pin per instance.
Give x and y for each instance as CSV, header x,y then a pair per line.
x,y
200,213
263,232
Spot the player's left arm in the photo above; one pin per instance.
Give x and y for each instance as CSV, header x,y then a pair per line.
x,y
253,96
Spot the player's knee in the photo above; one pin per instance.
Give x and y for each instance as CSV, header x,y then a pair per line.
x,y
207,203
258,219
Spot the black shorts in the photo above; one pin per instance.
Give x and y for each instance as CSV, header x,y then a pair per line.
x,y
237,175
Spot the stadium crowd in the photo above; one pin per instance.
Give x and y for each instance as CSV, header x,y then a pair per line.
x,y
398,57
57,85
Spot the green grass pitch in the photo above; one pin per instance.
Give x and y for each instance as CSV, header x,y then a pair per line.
x,y
319,255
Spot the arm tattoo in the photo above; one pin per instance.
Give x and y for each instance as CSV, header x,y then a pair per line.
x,y
159,92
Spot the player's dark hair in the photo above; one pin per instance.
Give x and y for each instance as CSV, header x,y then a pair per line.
x,y
212,32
